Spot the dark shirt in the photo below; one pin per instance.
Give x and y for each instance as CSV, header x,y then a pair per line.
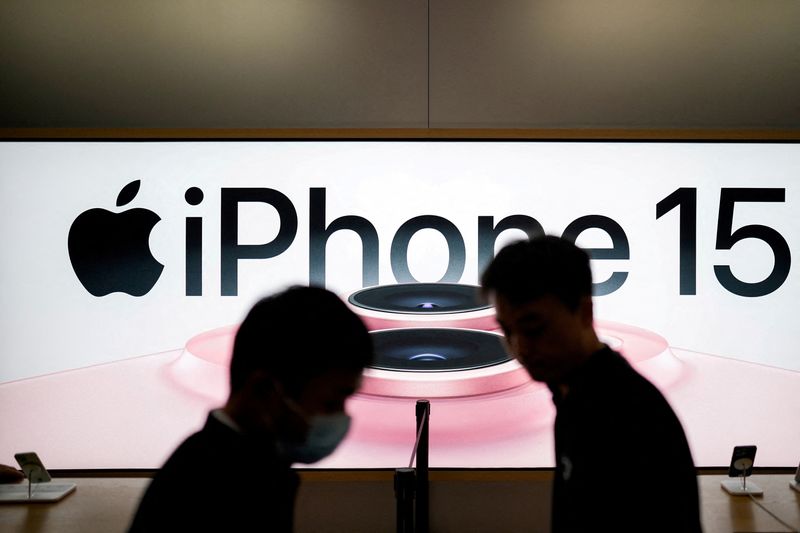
x,y
622,460
220,480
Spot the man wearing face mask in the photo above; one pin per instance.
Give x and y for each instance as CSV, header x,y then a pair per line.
x,y
296,358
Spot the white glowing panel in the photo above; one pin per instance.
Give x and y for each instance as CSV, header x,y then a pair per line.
x,y
128,254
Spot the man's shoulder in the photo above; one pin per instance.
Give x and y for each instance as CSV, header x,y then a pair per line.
x,y
209,441
614,387
201,457
212,473
614,374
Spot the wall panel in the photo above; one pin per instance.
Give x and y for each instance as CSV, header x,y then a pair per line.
x,y
621,63
195,64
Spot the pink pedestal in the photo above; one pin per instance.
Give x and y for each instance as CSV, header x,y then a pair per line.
x,y
132,413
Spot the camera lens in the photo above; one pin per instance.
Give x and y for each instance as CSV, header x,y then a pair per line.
x,y
421,298
436,349
427,357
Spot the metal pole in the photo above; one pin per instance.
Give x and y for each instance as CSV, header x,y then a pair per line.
x,y
423,508
404,494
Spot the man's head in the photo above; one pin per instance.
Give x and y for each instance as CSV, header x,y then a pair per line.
x,y
542,290
297,354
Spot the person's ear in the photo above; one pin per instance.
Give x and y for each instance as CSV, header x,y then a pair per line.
x,y
261,385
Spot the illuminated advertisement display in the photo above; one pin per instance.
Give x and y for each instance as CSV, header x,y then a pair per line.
x,y
127,266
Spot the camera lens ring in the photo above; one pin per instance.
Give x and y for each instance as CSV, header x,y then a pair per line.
x,y
436,349
419,309
420,298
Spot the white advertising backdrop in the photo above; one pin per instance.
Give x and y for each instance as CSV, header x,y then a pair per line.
x,y
51,323
720,330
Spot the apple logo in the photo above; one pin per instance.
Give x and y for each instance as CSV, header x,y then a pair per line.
x,y
110,251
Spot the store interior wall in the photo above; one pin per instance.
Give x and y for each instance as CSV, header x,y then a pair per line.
x,y
410,64
402,64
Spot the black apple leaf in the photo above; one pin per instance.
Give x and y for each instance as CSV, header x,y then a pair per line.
x,y
128,193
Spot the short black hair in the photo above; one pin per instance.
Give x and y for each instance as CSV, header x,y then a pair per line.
x,y
297,335
527,270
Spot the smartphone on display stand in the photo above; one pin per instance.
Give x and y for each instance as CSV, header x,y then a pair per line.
x,y
38,488
740,468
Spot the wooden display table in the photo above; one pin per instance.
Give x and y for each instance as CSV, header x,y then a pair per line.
x,y
510,500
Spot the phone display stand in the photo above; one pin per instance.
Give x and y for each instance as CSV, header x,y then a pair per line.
x,y
739,486
38,492
39,488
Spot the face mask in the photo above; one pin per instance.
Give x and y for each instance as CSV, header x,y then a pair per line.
x,y
325,433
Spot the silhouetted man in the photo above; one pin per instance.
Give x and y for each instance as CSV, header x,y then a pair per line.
x,y
622,460
296,358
